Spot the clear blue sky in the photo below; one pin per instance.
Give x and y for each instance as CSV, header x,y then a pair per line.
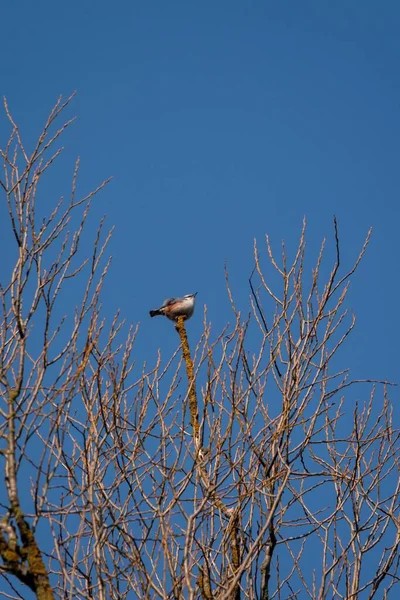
x,y
237,118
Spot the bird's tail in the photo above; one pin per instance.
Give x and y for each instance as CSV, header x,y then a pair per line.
x,y
155,313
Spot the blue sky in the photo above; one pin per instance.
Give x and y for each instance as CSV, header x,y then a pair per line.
x,y
234,119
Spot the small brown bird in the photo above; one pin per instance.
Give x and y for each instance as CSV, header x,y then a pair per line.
x,y
176,307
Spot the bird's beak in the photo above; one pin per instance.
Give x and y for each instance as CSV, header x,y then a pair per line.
x,y
195,294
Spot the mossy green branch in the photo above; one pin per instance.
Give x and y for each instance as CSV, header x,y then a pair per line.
x,y
25,562
204,580
36,567
193,405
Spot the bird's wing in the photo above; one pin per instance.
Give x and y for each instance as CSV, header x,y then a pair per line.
x,y
169,301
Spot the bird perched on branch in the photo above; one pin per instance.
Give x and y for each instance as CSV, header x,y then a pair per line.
x,y
176,307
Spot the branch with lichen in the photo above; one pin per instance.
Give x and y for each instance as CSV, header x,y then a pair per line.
x,y
22,560
193,405
233,526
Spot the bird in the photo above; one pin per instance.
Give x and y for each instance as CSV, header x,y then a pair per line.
x,y
176,307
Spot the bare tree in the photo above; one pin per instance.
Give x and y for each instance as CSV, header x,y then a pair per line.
x,y
237,469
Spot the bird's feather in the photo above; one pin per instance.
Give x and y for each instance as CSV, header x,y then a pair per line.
x,y
169,301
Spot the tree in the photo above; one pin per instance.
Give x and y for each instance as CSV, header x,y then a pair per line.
x,y
215,474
